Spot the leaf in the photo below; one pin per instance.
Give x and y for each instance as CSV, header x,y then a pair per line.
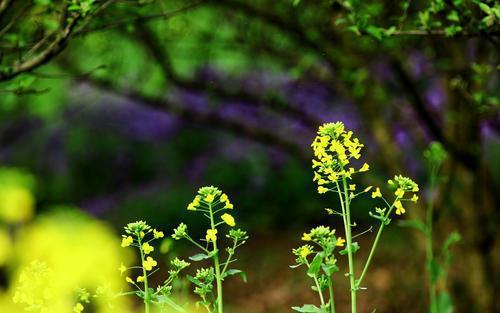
x,y
166,300
485,8
232,272
453,238
315,265
375,31
308,308
444,303
201,256
415,224
330,269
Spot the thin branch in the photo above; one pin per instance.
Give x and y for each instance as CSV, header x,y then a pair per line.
x,y
141,19
274,102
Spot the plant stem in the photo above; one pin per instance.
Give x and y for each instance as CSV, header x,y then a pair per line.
x,y
319,292
344,201
332,299
429,241
145,275
216,265
374,247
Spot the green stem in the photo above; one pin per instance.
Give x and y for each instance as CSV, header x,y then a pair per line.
x,y
145,275
374,246
332,299
344,201
429,242
319,292
218,276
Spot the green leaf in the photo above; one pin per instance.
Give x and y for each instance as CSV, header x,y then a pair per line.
x,y
485,8
330,269
453,238
308,308
232,272
374,31
166,300
315,265
199,257
444,303
415,224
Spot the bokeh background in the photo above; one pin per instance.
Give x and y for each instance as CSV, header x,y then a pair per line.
x,y
152,99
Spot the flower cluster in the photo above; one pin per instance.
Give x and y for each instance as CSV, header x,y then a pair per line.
x,y
405,189
141,235
334,147
214,204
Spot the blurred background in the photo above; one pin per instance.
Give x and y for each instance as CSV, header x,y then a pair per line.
x,y
116,111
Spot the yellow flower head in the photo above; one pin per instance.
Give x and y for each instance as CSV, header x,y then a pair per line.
x,y
127,241
333,148
364,168
211,235
78,308
414,198
229,219
210,198
306,237
140,279
376,193
158,234
122,269
340,242
322,189
399,193
224,198
399,207
305,252
228,205
352,187
147,248
129,280
149,263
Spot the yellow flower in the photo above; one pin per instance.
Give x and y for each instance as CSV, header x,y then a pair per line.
x,y
304,252
322,189
140,279
352,187
399,193
78,308
191,207
158,234
122,269
127,241
367,188
414,198
399,208
376,193
211,235
390,182
364,168
306,237
229,219
149,263
317,176
129,280
147,248
415,189
228,205
210,198
224,198
340,242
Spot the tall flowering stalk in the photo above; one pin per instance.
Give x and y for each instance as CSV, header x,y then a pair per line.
x,y
140,235
335,153
214,206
